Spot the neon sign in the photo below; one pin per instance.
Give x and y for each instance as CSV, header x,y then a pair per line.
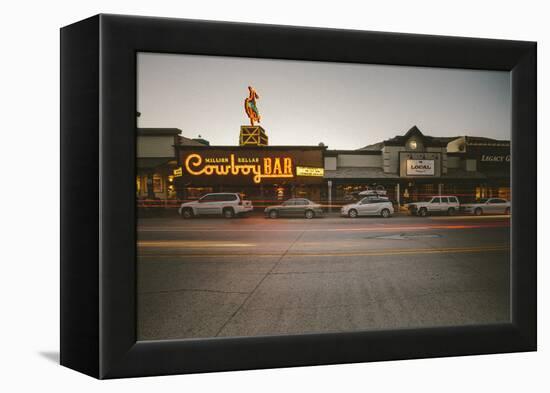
x,y
258,168
309,171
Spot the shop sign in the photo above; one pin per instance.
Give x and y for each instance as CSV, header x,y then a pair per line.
x,y
420,167
257,168
178,172
309,171
495,158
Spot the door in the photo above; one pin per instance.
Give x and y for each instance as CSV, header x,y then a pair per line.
x,y
435,205
222,200
300,208
367,207
497,206
206,204
286,209
444,205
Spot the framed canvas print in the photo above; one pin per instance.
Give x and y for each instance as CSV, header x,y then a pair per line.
x,y
239,196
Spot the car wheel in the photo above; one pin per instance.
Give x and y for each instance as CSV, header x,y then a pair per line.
x,y
478,211
507,211
385,213
423,212
228,213
273,214
451,211
309,214
352,213
187,213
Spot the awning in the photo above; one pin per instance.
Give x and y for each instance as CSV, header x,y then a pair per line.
x,y
359,173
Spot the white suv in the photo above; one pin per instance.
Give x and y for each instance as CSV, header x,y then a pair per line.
x,y
223,204
435,204
368,206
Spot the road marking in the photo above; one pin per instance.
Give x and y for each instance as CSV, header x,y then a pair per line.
x,y
496,248
501,216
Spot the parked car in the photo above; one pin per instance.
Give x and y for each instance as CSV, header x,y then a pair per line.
x,y
487,206
295,207
435,204
223,204
369,206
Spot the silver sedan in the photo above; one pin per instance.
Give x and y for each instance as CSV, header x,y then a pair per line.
x,y
487,206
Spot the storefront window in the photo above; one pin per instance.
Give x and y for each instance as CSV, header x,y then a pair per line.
x,y
157,183
504,193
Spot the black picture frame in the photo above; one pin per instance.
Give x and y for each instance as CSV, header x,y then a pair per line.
x,y
98,215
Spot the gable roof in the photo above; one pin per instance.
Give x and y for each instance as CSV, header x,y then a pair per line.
x,y
428,141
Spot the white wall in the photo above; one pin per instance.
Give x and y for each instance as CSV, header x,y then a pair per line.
x,y
331,163
359,160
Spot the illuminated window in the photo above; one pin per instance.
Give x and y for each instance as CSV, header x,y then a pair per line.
x,y
157,183
412,145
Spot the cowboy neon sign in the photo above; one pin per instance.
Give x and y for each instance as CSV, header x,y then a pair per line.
x,y
258,168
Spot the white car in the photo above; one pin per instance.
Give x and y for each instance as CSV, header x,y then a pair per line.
x,y
223,204
368,206
487,206
435,204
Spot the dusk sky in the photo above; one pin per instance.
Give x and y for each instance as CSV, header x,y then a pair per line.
x,y
345,106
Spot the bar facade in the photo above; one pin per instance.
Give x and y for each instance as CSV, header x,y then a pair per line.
x,y
408,167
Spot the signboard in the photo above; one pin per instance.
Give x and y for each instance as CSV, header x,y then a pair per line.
x,y
178,172
249,166
420,167
309,171
498,158
257,168
420,164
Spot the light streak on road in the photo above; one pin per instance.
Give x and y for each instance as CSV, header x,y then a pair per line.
x,y
305,229
466,218
386,252
191,244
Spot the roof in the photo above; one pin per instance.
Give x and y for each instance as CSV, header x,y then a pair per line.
x,y
333,153
152,162
429,141
184,141
375,146
356,173
159,131
486,142
266,148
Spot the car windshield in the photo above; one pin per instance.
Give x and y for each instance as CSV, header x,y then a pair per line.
x,y
482,200
426,199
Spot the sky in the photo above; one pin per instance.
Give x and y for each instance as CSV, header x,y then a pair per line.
x,y
345,106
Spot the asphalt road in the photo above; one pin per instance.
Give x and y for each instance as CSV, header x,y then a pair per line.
x,y
214,277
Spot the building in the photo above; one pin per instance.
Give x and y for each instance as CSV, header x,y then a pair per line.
x,y
172,168
155,164
264,174
412,166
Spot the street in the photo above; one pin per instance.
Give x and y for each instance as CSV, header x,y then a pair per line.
x,y
252,276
